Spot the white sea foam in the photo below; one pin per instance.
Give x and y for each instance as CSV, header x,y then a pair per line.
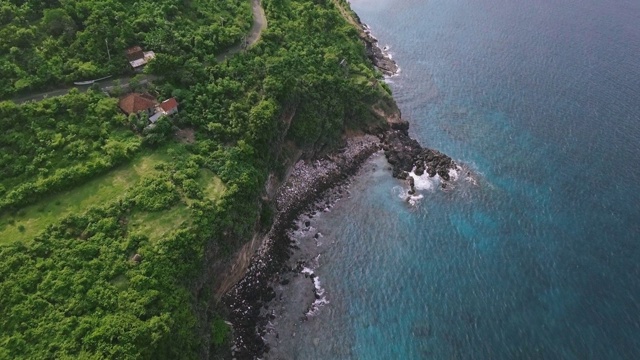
x,y
403,194
453,173
424,181
413,200
317,285
319,291
313,310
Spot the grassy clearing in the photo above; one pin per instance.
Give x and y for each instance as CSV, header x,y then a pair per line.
x,y
212,186
31,220
156,225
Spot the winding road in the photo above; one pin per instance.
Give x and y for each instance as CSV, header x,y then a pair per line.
x,y
259,25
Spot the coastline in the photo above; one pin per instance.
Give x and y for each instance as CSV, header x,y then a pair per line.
x,y
312,186
308,182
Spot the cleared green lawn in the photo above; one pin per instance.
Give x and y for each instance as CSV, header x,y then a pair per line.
x,y
212,186
29,221
156,225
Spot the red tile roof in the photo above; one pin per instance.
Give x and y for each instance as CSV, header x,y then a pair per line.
x,y
135,102
169,104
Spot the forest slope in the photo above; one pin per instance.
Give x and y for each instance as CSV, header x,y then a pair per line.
x,y
92,284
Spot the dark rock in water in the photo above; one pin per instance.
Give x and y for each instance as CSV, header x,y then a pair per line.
x,y
404,152
399,173
401,125
412,185
316,236
284,282
307,223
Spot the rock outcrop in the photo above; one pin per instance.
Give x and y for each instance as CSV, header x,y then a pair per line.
x,y
378,57
404,154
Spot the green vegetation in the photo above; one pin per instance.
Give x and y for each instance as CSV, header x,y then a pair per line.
x,y
86,189
44,43
58,143
156,225
101,190
212,186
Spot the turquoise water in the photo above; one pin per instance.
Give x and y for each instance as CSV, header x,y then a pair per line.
x,y
540,259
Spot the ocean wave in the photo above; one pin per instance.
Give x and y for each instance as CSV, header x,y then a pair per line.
x,y
403,193
318,291
424,181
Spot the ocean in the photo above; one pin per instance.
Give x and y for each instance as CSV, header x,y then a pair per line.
x,y
535,254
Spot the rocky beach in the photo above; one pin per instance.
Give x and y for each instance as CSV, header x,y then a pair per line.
x,y
312,187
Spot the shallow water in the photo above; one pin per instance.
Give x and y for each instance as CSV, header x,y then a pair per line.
x,y
540,259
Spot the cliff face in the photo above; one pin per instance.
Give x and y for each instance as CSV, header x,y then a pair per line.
x,y
246,286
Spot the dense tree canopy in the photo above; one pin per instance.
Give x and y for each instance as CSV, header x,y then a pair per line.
x,y
47,42
78,290
54,144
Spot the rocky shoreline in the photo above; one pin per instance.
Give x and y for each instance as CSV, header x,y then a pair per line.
x,y
379,57
308,182
306,191
307,186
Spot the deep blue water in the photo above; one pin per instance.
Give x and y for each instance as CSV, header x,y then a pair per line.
x,y
540,260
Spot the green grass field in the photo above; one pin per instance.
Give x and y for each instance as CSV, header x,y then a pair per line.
x,y
212,186
26,223
157,224
30,220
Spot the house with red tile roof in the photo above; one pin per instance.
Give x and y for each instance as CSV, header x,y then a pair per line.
x,y
169,106
136,102
166,108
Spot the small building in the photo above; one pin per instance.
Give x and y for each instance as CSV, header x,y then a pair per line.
x,y
138,58
166,108
169,106
136,102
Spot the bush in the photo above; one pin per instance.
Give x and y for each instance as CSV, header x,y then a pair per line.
x,y
155,193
